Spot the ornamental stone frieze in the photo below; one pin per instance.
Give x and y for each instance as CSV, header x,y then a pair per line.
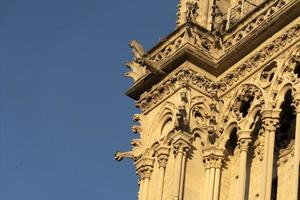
x,y
219,100
206,85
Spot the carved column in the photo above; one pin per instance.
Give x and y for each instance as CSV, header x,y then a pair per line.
x,y
181,148
218,167
244,141
211,180
207,170
297,148
162,157
270,120
213,159
144,169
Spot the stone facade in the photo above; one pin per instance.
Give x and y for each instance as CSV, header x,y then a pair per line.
x,y
220,104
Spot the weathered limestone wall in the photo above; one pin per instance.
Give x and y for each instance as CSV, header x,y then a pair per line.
x,y
217,138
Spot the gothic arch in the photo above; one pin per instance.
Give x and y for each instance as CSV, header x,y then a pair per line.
x,y
197,114
247,91
284,139
290,65
197,132
269,73
165,115
226,134
283,89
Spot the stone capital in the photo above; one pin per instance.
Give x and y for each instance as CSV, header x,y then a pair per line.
x,y
270,119
244,144
163,153
244,139
181,147
144,167
181,142
213,161
213,157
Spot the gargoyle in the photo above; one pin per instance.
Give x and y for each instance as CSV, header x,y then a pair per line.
x,y
141,58
137,151
137,50
151,65
137,71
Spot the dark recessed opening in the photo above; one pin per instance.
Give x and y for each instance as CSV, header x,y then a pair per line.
x,y
297,70
244,109
232,142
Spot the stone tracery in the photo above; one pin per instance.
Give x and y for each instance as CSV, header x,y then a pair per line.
x,y
240,122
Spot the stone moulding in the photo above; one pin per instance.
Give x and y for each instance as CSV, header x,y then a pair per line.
x,y
196,44
171,85
262,56
204,85
265,15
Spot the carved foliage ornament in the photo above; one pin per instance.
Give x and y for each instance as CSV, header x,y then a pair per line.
x,y
260,57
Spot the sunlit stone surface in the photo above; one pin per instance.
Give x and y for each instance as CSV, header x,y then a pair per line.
x,y
219,101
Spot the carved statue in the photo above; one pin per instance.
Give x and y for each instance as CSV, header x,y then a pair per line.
x,y
191,12
137,151
137,50
181,122
141,58
218,26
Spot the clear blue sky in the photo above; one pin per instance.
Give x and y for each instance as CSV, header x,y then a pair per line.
x,y
63,108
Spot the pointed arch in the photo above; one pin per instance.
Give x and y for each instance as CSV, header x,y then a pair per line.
x,y
164,117
197,132
226,134
282,91
258,97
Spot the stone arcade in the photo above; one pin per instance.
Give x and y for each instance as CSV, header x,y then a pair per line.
x,y
220,104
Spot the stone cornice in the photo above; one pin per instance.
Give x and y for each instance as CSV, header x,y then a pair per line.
x,y
173,84
262,56
264,16
196,44
232,77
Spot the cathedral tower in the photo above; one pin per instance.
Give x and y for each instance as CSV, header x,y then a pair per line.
x,y
220,104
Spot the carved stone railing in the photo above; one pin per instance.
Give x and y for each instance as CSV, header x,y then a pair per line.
x,y
240,10
203,41
168,49
267,11
206,85
262,56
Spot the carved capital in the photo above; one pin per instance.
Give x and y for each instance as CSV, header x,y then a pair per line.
x,y
213,161
213,158
244,139
181,142
270,124
145,172
270,119
144,167
219,162
244,144
181,147
163,153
